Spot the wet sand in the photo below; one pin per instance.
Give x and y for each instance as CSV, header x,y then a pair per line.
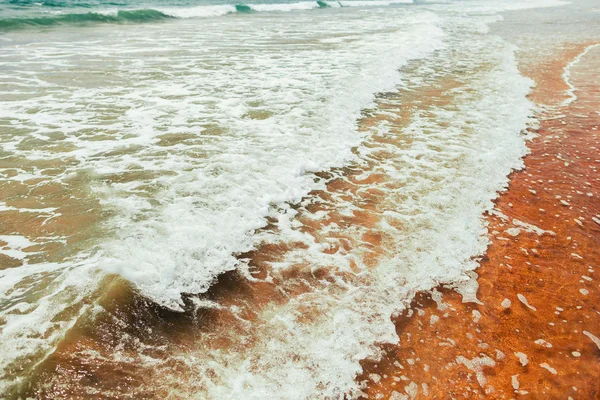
x,y
534,332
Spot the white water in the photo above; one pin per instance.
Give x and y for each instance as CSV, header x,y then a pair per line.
x,y
459,157
567,75
261,112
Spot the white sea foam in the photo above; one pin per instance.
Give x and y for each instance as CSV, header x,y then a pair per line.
x,y
567,74
219,10
256,128
237,185
14,246
304,5
196,12
457,156
477,139
525,4
371,3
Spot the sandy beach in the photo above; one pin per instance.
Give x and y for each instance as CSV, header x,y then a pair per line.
x,y
533,332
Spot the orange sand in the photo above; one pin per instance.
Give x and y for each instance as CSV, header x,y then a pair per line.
x,y
449,349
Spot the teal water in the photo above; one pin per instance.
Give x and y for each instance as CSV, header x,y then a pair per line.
x,y
24,14
81,18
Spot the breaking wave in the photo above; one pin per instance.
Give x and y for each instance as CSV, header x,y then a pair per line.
x,y
160,14
122,16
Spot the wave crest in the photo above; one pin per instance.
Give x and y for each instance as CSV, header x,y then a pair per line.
x,y
121,16
163,13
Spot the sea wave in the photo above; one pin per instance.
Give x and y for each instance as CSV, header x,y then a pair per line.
x,y
164,13
121,16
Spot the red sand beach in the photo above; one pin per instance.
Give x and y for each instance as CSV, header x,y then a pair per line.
x,y
535,330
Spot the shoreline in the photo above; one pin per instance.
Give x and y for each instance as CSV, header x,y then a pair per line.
x,y
110,346
535,329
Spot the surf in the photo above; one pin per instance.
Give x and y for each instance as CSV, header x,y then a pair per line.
x,y
30,17
82,19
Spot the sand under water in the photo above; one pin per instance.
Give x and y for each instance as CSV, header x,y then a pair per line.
x,y
198,229
533,330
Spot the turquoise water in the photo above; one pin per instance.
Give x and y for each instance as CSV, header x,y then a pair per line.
x,y
22,14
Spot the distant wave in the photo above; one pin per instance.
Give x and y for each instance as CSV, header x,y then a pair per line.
x,y
136,16
64,3
217,10
160,13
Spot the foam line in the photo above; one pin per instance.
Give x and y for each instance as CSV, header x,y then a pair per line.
x,y
566,76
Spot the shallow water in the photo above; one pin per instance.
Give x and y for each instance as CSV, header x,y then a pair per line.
x,y
233,205
529,333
